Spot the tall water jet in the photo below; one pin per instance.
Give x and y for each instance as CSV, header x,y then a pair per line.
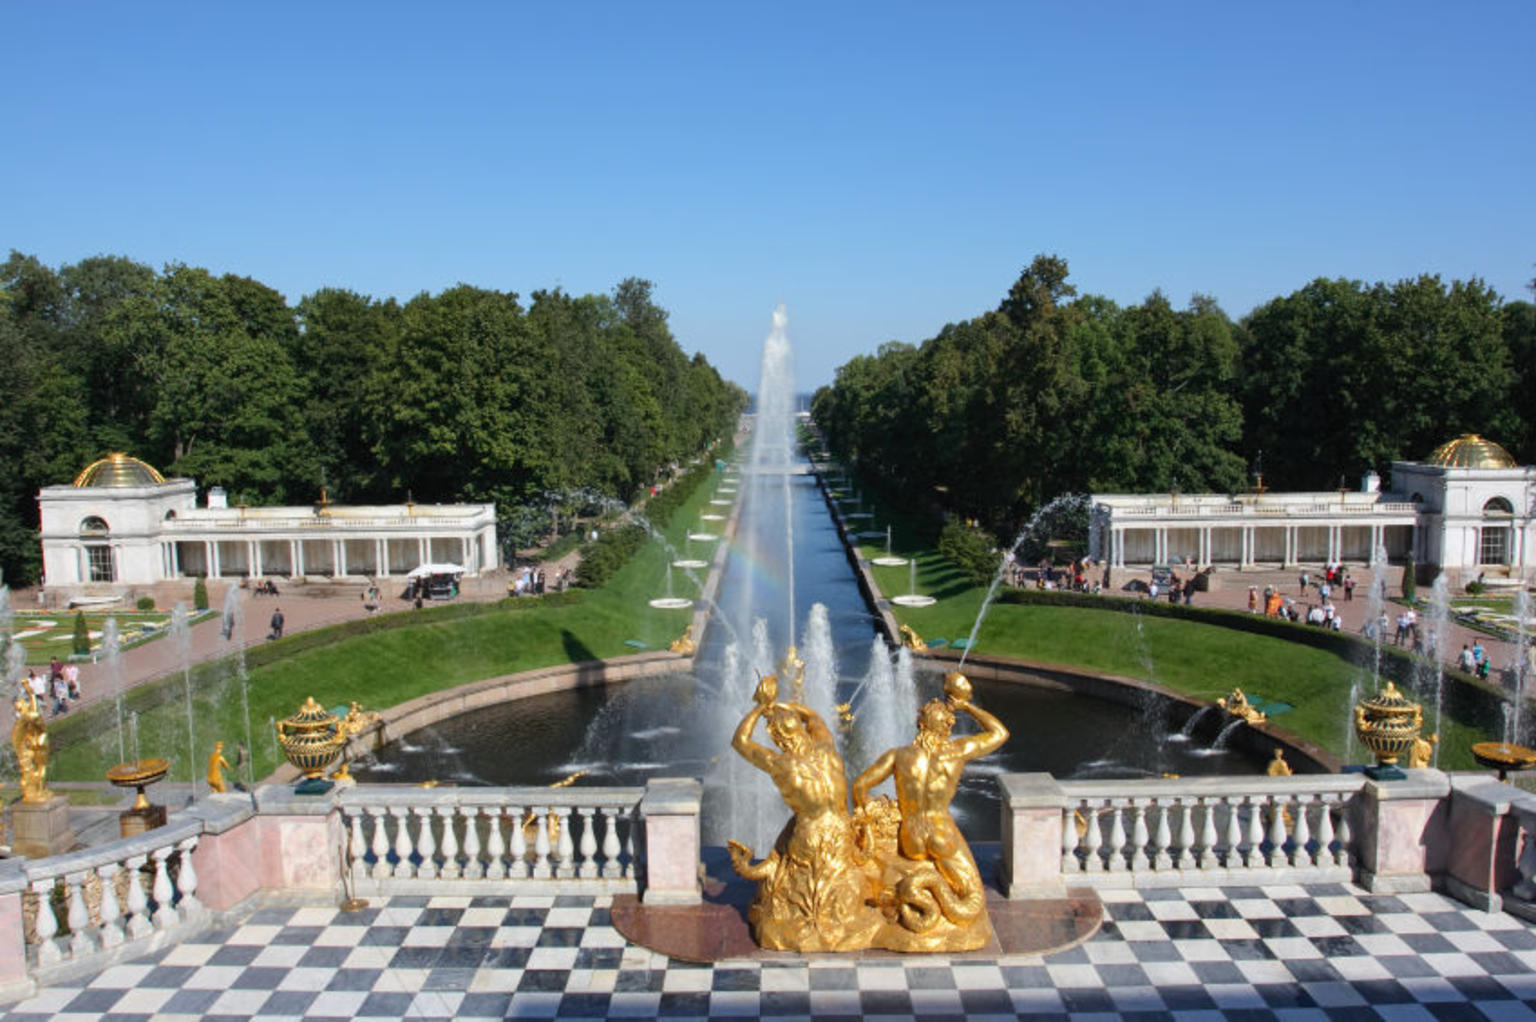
x,y
181,641
1438,627
820,658
234,619
111,661
1522,665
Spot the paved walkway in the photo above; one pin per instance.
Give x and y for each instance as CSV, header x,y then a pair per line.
x,y
1324,951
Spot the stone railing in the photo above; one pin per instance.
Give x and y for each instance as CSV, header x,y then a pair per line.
x,y
412,841
72,914
1298,509
78,911
1220,830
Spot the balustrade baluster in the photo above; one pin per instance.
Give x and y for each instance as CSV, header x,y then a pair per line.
x,y
426,847
1253,854
1117,838
632,817
1276,833
48,950
109,911
138,903
587,867
380,843
403,866
356,849
612,867
1207,857
1094,840
1233,858
566,848
1139,836
520,866
1301,833
1325,830
474,868
496,847
1186,857
1345,833
1163,839
161,891
82,939
450,843
186,880
1069,860
541,863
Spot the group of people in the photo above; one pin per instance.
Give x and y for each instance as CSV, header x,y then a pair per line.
x,y
61,683
1474,660
1334,578
1075,576
1274,604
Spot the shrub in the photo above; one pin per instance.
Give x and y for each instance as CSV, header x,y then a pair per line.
x,y
82,642
971,550
613,548
200,594
1475,588
146,603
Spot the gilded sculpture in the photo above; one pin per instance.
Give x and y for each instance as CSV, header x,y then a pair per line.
x,y
217,764
911,640
1238,705
893,875
683,644
29,740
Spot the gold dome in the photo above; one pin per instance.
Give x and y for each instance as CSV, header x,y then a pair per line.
x,y
1470,451
118,470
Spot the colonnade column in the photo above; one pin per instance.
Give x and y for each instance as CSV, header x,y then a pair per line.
x,y
253,557
297,547
381,557
1160,546
339,557
1205,545
423,550
464,556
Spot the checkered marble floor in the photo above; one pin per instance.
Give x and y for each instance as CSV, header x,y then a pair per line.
x,y
1319,951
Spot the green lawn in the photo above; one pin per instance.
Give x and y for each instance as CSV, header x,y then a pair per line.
x,y
48,634
395,658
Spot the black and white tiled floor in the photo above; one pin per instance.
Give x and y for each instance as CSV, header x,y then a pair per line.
x,y
1314,952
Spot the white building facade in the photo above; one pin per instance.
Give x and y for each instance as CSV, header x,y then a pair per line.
x,y
121,522
1466,510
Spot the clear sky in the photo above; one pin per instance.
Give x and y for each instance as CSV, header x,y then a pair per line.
x,y
881,168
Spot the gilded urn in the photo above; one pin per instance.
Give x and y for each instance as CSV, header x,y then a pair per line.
x,y
311,738
1388,724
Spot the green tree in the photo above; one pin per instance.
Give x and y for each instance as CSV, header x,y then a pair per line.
x,y
82,638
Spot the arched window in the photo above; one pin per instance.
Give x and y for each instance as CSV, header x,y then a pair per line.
x,y
99,566
1493,537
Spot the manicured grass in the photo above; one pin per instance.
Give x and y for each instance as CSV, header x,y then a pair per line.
x,y
1205,661
48,634
398,657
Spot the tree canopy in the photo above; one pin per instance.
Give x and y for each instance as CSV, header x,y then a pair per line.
x,y
1055,392
461,396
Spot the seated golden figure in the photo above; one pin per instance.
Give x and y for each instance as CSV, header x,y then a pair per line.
x,y
683,644
911,640
1238,705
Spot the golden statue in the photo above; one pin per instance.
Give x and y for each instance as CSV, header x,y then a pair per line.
x,y
29,740
1422,751
932,894
1278,767
893,875
217,764
815,889
683,644
349,727
1238,705
793,668
911,640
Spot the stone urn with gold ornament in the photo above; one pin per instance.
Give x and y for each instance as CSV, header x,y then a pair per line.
x,y
311,739
1388,725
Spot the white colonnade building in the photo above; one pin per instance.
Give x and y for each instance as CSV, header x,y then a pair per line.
x,y
121,522
1467,510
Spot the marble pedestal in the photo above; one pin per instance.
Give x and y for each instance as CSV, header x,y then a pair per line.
x,y
40,829
133,822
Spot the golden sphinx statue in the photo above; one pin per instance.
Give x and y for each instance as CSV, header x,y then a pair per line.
x,y
911,640
892,875
29,740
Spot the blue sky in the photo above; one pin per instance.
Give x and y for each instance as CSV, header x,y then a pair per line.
x,y
882,169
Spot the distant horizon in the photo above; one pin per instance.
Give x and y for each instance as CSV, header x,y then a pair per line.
x,y
882,175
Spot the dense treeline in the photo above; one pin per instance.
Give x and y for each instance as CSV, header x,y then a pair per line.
x,y
465,395
1052,392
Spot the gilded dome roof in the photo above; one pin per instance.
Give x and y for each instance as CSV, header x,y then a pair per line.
x,y
118,470
1470,451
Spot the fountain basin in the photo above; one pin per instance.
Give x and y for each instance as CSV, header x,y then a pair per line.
x,y
671,603
913,600
722,503
889,561
712,518
861,515
703,537
690,563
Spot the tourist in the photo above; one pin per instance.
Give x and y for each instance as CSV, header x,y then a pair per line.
x,y
1478,654
1325,590
1315,615
1482,669
37,687
1304,579
1189,592
277,624
60,696
1152,589
1349,587
1253,599
1465,661
72,681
